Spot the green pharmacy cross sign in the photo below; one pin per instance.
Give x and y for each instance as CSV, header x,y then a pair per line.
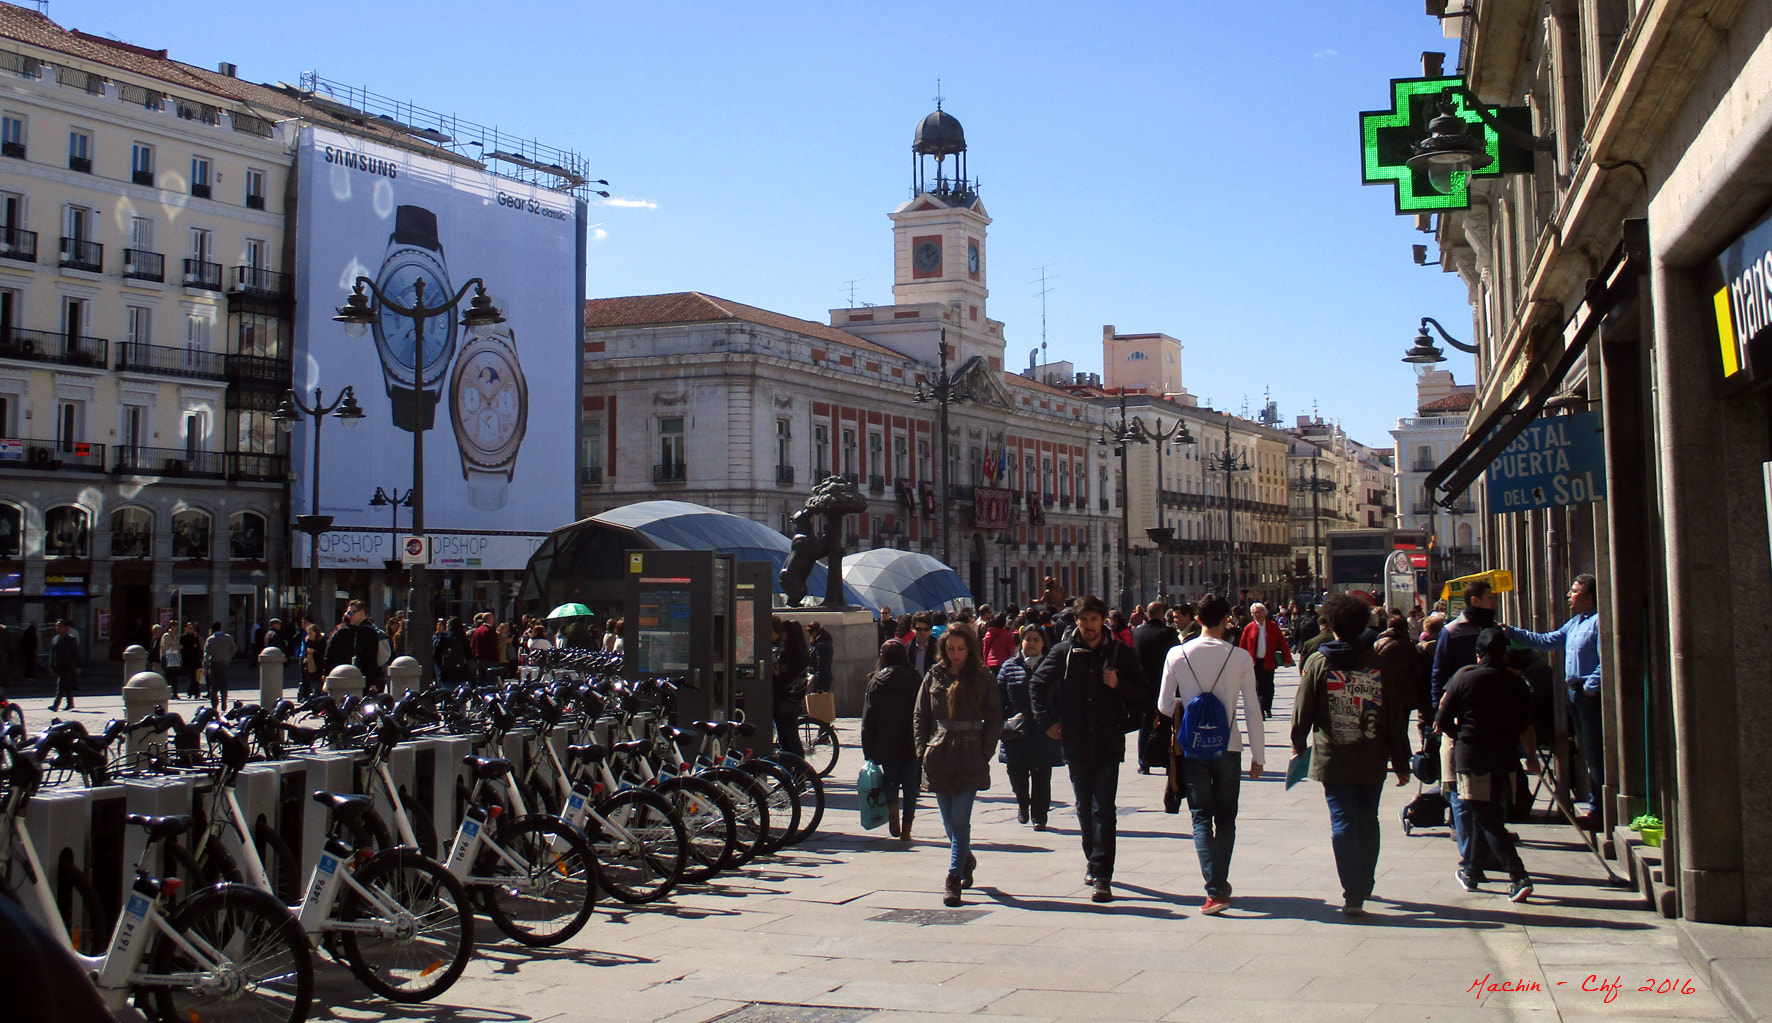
x,y
1388,139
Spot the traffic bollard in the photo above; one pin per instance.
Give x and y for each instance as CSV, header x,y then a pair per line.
x,y
344,680
145,693
403,675
135,660
270,676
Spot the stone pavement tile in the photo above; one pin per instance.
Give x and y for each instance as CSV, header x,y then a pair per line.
x,y
1390,1012
570,1001
1050,978
914,997
1091,1004
896,971
1605,957
1217,1009
897,1016
1353,986
1193,983
702,1013
1298,946
796,989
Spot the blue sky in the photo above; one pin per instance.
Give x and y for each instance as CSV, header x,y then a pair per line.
x,y
1181,167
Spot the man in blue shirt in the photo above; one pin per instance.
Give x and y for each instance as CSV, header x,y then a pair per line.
x,y
1580,639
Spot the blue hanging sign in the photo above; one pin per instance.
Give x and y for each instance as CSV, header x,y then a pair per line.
x,y
1558,460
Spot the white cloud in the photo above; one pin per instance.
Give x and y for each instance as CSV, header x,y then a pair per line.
x,y
598,234
1325,54
629,204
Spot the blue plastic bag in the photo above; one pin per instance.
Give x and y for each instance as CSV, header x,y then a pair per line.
x,y
870,792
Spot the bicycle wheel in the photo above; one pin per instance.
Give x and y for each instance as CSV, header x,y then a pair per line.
x,y
710,820
261,971
751,800
427,943
810,789
645,849
548,899
82,913
281,866
819,740
784,801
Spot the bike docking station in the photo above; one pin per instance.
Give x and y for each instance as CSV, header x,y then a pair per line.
x,y
701,620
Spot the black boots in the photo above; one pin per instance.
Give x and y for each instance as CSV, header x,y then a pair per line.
x,y
951,891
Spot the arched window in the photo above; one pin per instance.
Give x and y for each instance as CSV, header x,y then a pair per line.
x,y
132,533
67,532
246,536
12,530
1137,357
190,535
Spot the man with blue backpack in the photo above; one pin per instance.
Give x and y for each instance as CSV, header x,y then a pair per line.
x,y
1203,681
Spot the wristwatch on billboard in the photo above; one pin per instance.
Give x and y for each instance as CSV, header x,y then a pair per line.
x,y
489,405
413,377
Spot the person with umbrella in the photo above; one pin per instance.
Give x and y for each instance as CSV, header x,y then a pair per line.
x,y
575,626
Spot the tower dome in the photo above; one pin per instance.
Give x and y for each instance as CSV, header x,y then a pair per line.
x,y
939,135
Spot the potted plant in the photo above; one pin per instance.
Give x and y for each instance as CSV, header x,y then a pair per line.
x,y
1649,826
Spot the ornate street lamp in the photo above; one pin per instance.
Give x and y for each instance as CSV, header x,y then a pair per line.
x,y
944,391
1124,434
395,501
1424,351
346,410
358,314
1228,464
1316,488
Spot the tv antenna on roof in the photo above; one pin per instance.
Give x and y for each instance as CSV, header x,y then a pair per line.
x,y
849,286
1045,289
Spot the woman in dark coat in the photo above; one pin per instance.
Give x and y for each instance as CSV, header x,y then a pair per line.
x,y
959,717
888,737
791,657
1030,759
821,656
451,654
190,654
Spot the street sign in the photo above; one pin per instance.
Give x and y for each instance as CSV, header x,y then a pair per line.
x,y
1557,460
415,550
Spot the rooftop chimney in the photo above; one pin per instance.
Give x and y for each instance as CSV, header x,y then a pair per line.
x,y
228,69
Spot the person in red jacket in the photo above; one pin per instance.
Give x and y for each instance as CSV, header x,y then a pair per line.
x,y
1266,642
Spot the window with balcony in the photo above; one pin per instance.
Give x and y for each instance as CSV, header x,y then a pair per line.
x,y
821,452
132,433
12,135
132,533
901,462
67,532
923,461
672,464
12,531
255,189
15,242
876,455
80,150
141,164
200,177
78,250
246,536
190,535
849,453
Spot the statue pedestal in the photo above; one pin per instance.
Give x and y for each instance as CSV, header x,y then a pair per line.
x,y
855,638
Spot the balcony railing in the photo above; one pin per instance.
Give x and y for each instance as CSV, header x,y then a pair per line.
x,y
142,177
175,362
876,485
16,150
145,461
200,189
677,472
17,243
258,282
80,254
960,492
1423,465
853,479
1105,505
784,475
44,346
252,465
50,455
142,265
258,373
199,274
591,475
80,163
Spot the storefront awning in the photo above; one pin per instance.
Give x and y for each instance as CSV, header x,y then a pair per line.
x,y
1489,436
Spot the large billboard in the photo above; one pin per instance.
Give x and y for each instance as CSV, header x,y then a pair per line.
x,y
495,405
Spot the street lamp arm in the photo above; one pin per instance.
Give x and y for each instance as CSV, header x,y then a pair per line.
x,y
418,310
1448,338
1514,136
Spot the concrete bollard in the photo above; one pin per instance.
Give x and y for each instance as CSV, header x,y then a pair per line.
x,y
403,676
145,693
270,676
135,660
344,680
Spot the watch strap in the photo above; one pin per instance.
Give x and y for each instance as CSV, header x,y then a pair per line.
x,y
487,491
413,408
415,225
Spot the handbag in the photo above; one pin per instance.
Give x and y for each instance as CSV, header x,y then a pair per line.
x,y
822,706
174,659
870,791
1016,727
1154,750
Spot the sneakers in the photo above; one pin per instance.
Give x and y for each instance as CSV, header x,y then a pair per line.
x,y
1216,904
1104,891
1469,881
1521,890
1353,907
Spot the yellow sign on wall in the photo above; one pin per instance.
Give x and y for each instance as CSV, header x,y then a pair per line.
x,y
1500,581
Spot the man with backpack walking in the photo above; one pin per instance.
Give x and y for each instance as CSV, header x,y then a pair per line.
x,y
1359,711
1087,693
1203,682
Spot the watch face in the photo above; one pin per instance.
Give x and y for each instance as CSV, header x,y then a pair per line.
x,y
926,257
395,331
488,400
972,259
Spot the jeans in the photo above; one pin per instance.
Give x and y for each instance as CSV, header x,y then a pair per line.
x,y
1212,787
1096,783
1264,690
956,819
1353,833
1033,790
1584,711
903,782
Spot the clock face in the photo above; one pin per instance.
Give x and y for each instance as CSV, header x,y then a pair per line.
x,y
972,259
926,257
395,331
489,396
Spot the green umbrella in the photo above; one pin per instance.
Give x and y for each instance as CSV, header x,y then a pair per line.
x,y
570,611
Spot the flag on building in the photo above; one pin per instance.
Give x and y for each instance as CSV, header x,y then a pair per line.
x,y
990,467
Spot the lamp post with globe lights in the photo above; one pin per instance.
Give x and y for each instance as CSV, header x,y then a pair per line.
x,y
291,411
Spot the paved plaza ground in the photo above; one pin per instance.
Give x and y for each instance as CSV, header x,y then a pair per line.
x,y
849,927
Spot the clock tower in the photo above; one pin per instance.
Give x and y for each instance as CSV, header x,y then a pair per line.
x,y
939,235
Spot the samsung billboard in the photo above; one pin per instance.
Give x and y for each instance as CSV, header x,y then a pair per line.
x,y
496,405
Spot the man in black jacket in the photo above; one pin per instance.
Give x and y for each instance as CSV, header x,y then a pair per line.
x,y
1152,641
1084,693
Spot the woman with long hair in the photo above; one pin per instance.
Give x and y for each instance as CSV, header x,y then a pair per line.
x,y
1029,759
958,720
888,736
791,658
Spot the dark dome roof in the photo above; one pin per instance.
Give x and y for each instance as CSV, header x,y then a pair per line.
x,y
939,134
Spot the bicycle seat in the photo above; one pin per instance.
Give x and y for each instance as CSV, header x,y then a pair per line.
x,y
162,827
346,808
715,728
630,747
487,768
299,734
676,733
590,752
742,728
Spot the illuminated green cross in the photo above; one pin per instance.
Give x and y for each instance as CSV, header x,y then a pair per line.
x,y
1388,136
